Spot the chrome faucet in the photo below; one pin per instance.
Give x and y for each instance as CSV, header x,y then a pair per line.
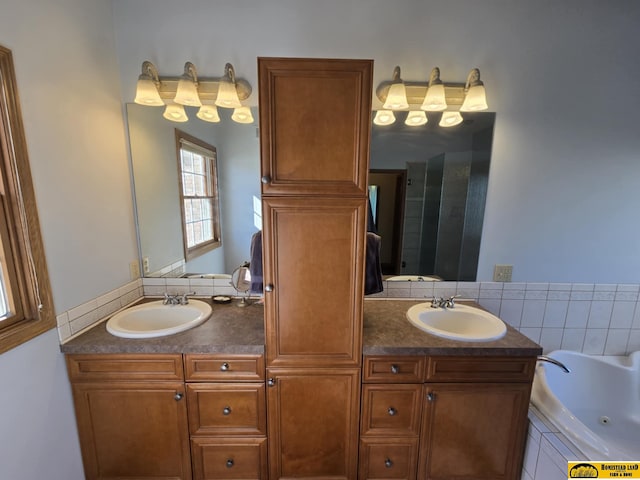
x,y
557,363
177,299
440,302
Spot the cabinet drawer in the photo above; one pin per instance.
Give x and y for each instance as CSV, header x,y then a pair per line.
x,y
391,409
388,458
221,368
226,409
124,367
402,369
229,458
480,369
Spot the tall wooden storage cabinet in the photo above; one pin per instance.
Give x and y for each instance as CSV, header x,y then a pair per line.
x,y
315,119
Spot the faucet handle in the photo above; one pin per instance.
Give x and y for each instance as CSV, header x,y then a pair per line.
x,y
449,302
184,299
436,302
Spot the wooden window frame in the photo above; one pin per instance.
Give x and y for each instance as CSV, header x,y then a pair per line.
x,y
201,248
20,232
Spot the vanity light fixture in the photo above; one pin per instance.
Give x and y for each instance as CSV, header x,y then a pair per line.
x,y
475,98
208,113
397,95
450,119
187,91
416,118
175,112
242,115
433,96
147,86
227,92
434,100
384,117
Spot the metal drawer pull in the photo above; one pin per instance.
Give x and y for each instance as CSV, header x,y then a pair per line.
x,y
225,367
388,463
226,410
178,396
392,411
268,287
266,179
229,463
395,369
271,382
431,396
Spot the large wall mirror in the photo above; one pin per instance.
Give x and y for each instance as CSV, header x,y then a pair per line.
x,y
155,174
431,187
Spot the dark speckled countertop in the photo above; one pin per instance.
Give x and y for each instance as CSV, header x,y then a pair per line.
x,y
232,329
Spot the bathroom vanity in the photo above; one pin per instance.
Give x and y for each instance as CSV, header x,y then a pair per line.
x,y
193,405
318,383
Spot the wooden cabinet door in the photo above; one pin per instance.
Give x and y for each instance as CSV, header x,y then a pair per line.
x,y
473,431
315,119
313,423
133,430
314,260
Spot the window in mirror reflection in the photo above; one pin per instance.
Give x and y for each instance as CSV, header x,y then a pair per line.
x,y
199,198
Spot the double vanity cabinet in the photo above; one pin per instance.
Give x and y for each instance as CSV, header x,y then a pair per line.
x,y
194,405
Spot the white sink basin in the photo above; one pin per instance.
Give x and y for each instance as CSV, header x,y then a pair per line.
x,y
461,322
154,319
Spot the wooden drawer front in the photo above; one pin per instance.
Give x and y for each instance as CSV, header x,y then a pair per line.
x,y
480,369
406,369
124,367
229,458
227,409
391,409
221,368
383,458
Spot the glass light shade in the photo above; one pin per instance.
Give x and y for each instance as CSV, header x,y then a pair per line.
x,y
227,95
384,117
242,115
434,100
396,98
147,93
175,113
475,100
187,93
450,119
416,118
208,113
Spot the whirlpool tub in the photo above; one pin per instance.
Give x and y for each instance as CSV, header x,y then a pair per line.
x,y
596,406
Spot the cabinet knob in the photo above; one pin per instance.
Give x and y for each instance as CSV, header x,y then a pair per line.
x,y
178,396
431,396
395,369
388,463
229,463
392,411
268,287
226,410
271,382
266,179
224,367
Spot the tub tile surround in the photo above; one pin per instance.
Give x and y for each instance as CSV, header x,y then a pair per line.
x,y
547,450
598,319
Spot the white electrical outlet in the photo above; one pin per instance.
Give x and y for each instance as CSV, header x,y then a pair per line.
x,y
134,270
145,265
502,273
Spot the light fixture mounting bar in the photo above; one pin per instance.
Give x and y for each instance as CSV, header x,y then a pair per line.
x,y
207,88
454,92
